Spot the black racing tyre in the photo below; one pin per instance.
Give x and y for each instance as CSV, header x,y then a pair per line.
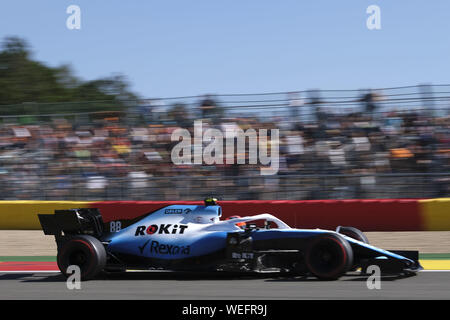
x,y
328,256
84,251
353,233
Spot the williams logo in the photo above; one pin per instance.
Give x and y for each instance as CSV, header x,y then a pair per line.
x,y
160,229
169,249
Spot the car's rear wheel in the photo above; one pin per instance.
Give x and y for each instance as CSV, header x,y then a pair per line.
x,y
83,251
353,233
328,256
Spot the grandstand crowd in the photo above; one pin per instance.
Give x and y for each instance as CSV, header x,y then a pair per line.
x,y
366,154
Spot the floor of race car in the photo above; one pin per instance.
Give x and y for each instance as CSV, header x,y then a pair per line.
x,y
429,261
22,278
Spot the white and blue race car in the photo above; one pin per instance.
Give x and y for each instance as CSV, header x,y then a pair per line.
x,y
192,237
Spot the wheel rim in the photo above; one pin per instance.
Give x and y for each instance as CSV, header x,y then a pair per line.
x,y
327,258
78,258
80,254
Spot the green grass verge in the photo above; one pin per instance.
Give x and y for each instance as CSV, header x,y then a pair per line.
x,y
434,256
28,258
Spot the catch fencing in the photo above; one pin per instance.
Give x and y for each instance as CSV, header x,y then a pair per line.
x,y
378,143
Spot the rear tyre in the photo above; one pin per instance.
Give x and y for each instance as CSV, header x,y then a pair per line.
x,y
84,251
329,256
353,233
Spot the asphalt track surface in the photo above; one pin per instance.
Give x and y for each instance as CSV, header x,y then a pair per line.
x,y
175,286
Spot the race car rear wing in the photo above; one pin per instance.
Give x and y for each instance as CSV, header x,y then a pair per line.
x,y
72,221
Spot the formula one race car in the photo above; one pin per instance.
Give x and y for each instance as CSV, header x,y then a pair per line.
x,y
191,237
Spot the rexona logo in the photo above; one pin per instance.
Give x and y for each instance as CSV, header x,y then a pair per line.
x,y
160,229
159,248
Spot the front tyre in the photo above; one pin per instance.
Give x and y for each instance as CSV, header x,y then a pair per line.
x,y
84,251
328,256
353,233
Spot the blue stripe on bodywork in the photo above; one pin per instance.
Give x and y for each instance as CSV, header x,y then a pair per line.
x,y
381,251
285,233
293,233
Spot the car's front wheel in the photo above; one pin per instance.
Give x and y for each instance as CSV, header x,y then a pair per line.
x,y
328,256
353,233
